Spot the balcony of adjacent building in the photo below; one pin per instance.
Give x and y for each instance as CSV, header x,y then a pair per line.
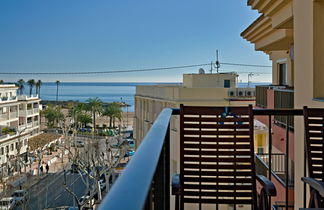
x,y
28,97
7,132
29,109
277,97
145,183
7,99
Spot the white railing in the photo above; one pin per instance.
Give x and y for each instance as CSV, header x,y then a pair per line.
x,y
36,110
29,125
27,97
2,137
29,111
7,99
4,117
13,115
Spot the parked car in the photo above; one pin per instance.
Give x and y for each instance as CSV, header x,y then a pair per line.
x,y
131,142
7,203
20,196
129,153
74,168
77,143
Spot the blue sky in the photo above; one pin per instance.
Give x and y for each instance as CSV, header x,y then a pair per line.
x,y
102,35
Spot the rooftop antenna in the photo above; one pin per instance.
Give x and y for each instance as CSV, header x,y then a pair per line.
x,y
217,64
211,67
250,75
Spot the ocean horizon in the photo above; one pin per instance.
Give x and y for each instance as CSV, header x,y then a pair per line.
x,y
106,91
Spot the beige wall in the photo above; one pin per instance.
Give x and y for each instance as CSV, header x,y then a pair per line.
x,y
318,34
308,51
208,80
278,57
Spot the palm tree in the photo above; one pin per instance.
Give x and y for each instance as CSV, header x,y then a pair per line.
x,y
38,87
31,84
95,106
21,87
53,115
57,85
77,112
113,111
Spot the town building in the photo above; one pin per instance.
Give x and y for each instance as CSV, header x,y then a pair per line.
x,y
290,32
19,121
220,89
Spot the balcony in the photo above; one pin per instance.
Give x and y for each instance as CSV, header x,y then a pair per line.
x,y
284,99
29,111
13,115
8,99
4,117
277,97
29,124
26,97
145,183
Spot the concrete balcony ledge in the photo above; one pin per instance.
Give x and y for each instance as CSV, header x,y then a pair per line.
x,y
4,117
13,114
8,99
25,97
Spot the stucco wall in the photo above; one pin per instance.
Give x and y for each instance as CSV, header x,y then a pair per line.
x,y
304,68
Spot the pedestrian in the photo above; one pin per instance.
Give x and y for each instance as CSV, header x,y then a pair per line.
x,y
47,168
41,169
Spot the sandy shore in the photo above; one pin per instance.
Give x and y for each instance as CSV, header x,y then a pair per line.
x,y
126,121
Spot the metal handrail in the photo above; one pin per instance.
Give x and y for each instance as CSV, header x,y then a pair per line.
x,y
133,186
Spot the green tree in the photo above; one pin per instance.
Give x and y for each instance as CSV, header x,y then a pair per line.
x,y
57,86
31,84
76,110
95,107
53,115
1,81
21,86
84,119
38,85
113,111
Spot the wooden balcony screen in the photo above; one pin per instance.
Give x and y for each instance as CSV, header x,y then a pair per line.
x,y
314,134
217,155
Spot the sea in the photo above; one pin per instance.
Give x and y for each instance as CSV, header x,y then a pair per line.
x,y
106,91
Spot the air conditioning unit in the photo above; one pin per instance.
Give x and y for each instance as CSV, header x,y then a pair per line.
x,y
250,93
232,93
240,93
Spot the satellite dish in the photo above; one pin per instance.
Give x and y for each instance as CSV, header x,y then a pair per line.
x,y
201,71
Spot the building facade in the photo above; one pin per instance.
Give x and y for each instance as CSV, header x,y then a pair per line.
x,y
290,32
196,90
19,120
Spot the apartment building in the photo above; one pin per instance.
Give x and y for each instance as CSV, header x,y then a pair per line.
x,y
290,32
196,90
19,120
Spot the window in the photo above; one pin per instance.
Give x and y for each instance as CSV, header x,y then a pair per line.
x,y
16,145
227,83
283,74
1,151
11,147
7,149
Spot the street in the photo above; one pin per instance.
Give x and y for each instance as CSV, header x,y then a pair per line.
x,y
50,192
